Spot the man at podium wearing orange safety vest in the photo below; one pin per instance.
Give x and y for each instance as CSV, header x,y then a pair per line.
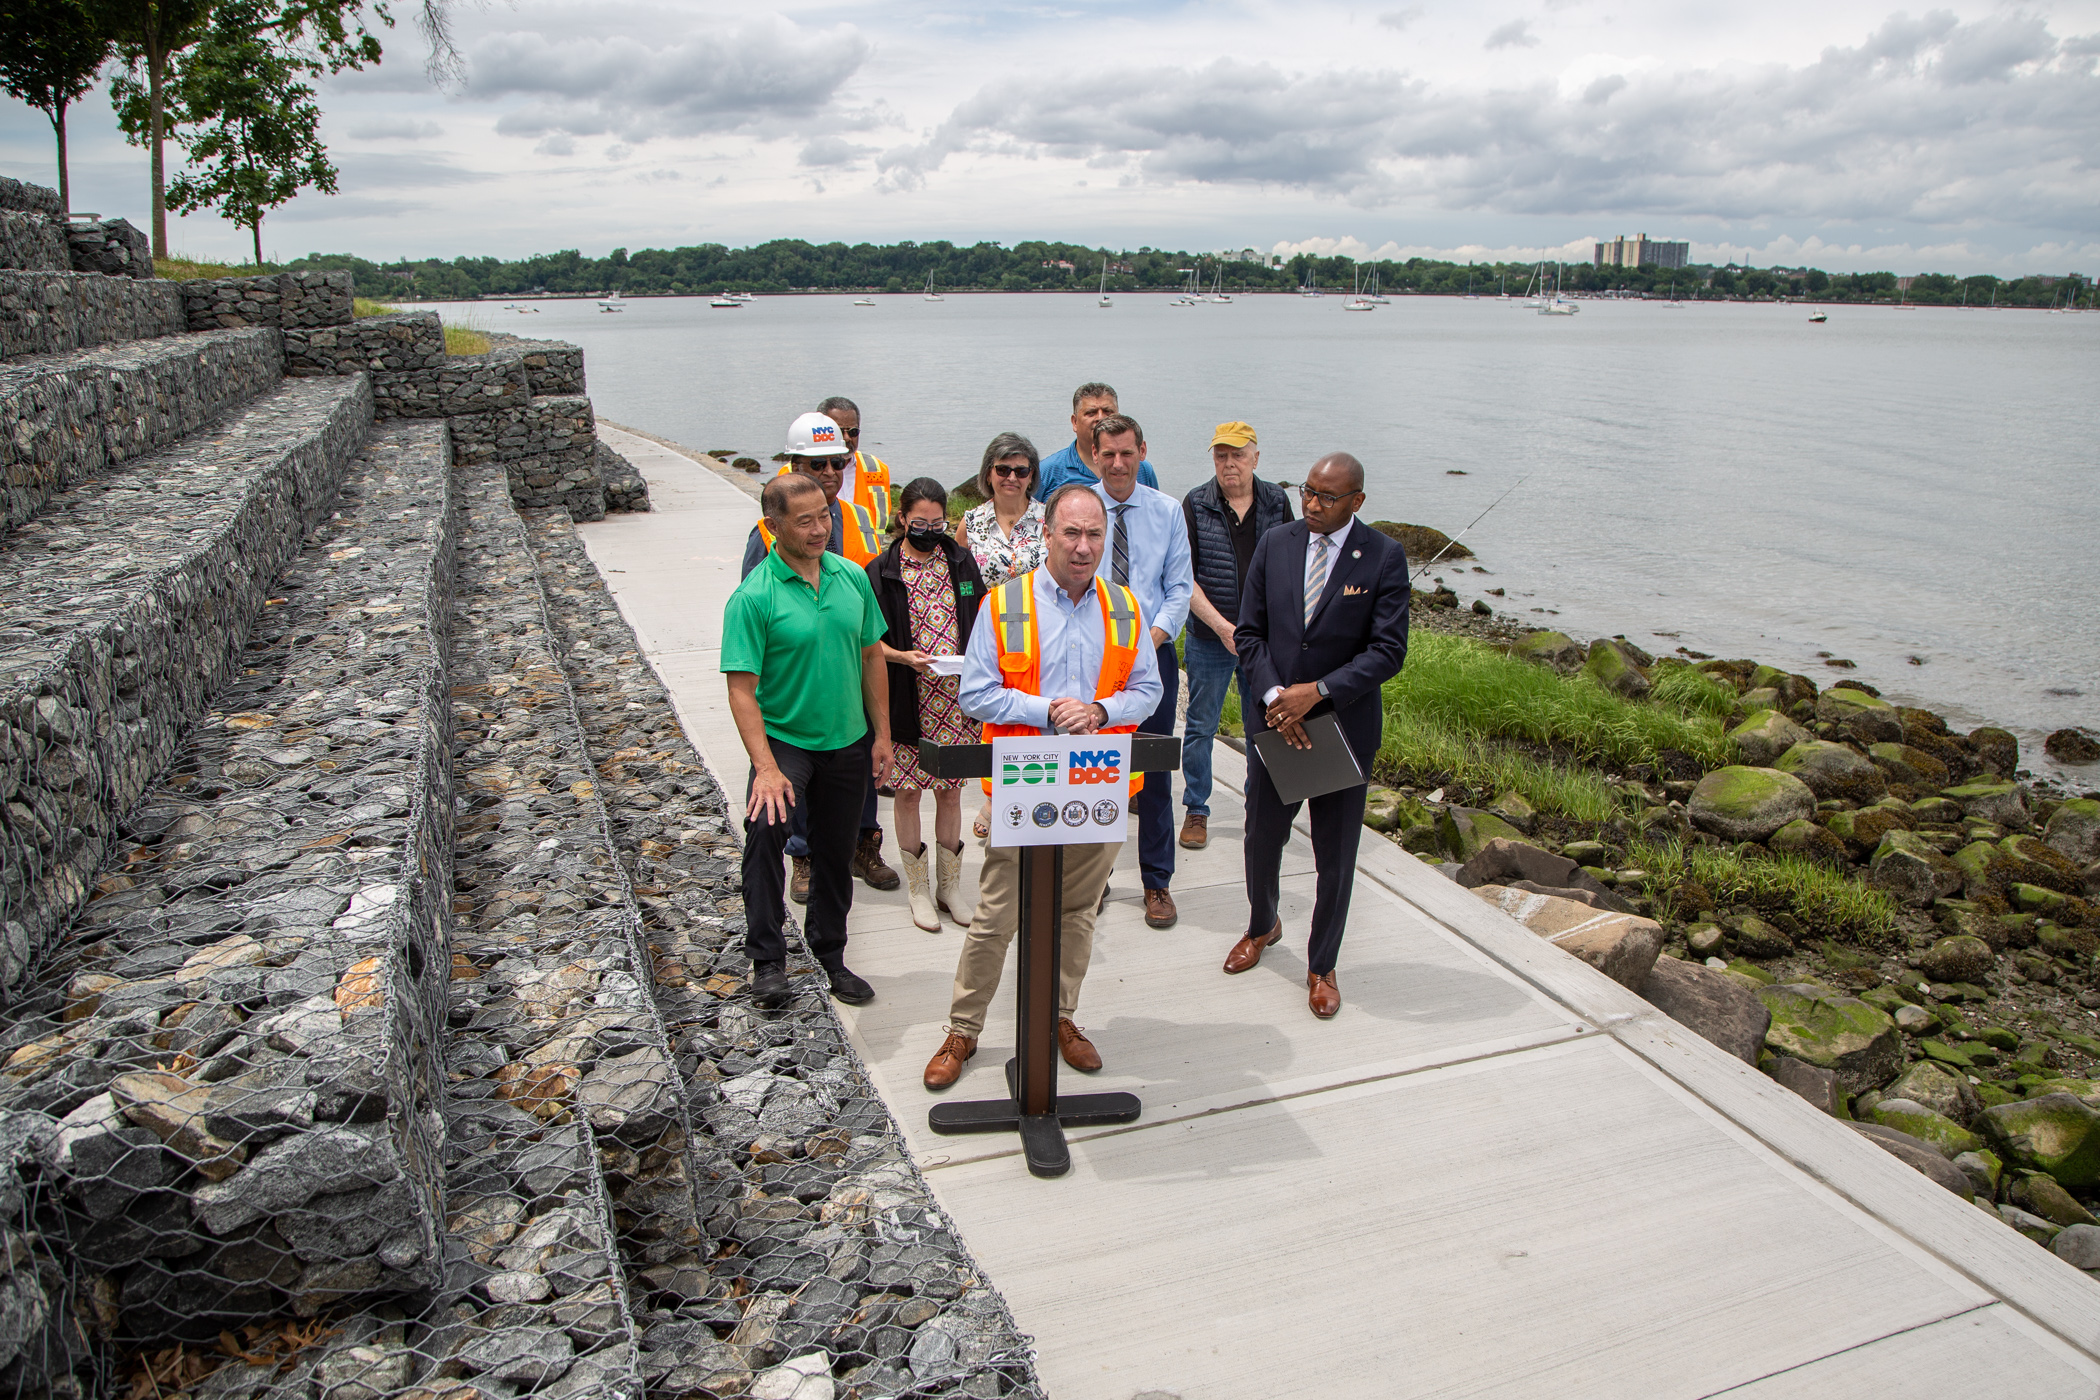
x,y
824,446
1056,651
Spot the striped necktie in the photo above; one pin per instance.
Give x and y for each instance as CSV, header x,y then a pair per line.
x,y
1316,581
1119,568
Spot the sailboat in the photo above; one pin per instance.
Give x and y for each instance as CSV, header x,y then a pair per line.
x,y
1189,295
1376,297
1357,300
1104,302
1217,295
1308,290
931,294
615,302
1555,305
1471,295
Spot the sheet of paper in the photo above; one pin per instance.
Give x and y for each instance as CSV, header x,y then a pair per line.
x,y
947,665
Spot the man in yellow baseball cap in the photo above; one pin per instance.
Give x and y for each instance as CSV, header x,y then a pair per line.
x,y
1225,515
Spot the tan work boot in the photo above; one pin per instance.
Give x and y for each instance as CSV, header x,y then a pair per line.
x,y
868,863
947,882
920,889
946,1066
798,882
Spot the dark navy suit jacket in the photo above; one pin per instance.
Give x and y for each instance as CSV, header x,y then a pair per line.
x,y
1356,641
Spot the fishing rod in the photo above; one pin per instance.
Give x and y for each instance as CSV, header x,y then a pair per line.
x,y
1292,485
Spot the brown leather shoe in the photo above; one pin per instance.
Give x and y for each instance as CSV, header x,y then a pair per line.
x,y
1195,831
798,883
1159,909
946,1066
1247,952
1322,995
869,865
1079,1052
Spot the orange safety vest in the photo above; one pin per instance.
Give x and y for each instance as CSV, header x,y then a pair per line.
x,y
1010,608
865,517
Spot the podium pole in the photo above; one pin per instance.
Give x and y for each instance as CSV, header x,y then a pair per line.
x,y
1033,1107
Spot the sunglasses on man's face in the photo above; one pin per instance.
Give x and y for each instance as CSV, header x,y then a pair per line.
x,y
1022,472
825,464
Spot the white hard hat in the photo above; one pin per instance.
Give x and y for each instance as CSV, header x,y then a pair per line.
x,y
815,435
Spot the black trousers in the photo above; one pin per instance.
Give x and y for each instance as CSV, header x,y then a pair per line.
x,y
1337,826
1155,803
829,787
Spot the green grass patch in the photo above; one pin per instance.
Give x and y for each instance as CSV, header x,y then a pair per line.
x,y
1826,902
1471,690
465,340
1420,745
362,307
186,269
1679,687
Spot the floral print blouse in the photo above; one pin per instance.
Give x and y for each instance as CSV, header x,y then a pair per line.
x,y
1001,557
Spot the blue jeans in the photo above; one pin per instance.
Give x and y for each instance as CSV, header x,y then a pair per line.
x,y
1211,668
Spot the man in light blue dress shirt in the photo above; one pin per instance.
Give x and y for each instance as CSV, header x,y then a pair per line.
x,y
1148,550
1071,642
1090,404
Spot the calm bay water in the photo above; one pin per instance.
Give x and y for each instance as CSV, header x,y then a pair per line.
x,y
1890,485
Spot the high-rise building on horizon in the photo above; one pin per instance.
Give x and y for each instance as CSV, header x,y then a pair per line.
x,y
1642,251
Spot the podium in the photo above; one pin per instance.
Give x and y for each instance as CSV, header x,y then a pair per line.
x,y
1033,1107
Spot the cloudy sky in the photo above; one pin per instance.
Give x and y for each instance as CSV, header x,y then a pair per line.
x,y
1840,133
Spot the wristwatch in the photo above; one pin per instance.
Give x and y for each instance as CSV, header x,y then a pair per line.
x,y
1321,688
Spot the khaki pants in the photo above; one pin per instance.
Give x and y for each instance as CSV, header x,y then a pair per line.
x,y
998,918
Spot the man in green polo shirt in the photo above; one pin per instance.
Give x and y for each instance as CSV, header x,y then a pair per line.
x,y
801,646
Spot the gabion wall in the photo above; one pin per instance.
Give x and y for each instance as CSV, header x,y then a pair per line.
x,y
45,313
288,300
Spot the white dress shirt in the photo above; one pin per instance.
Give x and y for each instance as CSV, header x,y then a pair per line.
x,y
1162,573
1338,539
1072,641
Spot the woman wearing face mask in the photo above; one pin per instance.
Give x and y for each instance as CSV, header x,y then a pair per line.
x,y
930,588
1005,534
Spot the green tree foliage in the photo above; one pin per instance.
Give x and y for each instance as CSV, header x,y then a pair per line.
x,y
250,128
50,52
787,265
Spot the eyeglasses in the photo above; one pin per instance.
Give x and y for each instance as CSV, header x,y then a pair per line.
x,y
850,432
824,464
1327,499
1023,472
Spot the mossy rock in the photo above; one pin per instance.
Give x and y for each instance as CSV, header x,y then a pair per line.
x,y
1841,1034
1909,1116
2074,831
1905,764
1766,735
1555,649
1995,801
1937,811
1764,697
1996,749
2055,1133
1425,544
1465,830
1613,665
1868,717
1834,771
1805,839
1741,803
1957,959
1912,870
1939,1089
1862,831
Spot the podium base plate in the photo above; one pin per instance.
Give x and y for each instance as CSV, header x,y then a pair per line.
x,y
1042,1134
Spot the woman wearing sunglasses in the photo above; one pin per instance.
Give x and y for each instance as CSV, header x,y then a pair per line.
x,y
1006,532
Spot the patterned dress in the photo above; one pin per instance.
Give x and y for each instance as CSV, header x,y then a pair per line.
x,y
1001,557
930,594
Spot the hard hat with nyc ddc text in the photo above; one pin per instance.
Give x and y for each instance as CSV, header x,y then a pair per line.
x,y
815,435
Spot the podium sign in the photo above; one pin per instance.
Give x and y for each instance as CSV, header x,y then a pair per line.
x,y
1060,789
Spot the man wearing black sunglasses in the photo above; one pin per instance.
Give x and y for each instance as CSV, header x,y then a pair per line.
x,y
1322,628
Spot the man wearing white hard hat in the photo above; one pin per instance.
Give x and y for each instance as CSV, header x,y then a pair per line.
x,y
821,445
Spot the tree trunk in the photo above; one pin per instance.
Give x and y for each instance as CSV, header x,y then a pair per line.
x,y
256,229
65,184
156,66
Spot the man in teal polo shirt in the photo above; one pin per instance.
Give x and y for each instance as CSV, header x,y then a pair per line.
x,y
801,646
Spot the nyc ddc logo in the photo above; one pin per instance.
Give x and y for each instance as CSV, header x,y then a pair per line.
x,y
1089,766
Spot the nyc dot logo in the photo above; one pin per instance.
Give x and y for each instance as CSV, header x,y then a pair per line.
x,y
1034,772
1090,766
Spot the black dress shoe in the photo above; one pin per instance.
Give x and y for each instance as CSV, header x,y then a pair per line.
x,y
847,987
769,987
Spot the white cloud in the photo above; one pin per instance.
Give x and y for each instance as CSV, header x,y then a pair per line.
x,y
395,129
1514,35
1400,19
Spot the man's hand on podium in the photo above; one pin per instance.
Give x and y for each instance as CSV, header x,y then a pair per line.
x,y
1071,716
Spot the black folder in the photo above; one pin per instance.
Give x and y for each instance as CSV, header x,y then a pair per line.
x,y
1328,766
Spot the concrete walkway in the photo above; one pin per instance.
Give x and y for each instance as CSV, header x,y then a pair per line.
x,y
1495,1173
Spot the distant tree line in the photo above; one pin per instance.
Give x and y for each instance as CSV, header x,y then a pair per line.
x,y
792,265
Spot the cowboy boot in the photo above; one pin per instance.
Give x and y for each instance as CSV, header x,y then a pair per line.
x,y
922,911
947,889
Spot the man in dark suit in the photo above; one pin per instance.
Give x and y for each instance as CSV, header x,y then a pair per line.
x,y
1323,625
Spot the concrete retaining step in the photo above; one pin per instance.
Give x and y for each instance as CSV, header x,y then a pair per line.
x,y
826,1229
48,313
123,606
74,414
233,1058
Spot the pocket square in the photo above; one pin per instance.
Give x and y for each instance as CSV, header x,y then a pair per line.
x,y
1350,590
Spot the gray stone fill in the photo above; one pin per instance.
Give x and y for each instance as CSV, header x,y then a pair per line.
x,y
109,246
45,313
289,300
126,604
34,242
72,415
35,199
